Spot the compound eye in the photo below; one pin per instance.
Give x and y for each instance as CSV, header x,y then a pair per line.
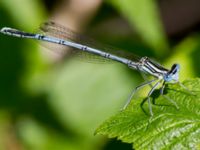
x,y
175,68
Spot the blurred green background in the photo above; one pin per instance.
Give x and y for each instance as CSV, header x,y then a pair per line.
x,y
47,102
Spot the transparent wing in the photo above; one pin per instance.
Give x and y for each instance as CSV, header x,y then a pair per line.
x,y
55,30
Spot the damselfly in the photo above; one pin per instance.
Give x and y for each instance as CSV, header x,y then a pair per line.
x,y
145,65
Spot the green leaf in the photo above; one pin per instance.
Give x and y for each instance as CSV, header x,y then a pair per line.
x,y
83,94
29,13
168,129
143,15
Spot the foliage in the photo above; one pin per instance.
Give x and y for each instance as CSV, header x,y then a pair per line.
x,y
144,17
168,129
45,105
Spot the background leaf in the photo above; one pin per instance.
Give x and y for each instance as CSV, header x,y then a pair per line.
x,y
170,128
50,104
144,17
29,9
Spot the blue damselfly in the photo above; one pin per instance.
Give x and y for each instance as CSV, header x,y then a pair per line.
x,y
144,64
